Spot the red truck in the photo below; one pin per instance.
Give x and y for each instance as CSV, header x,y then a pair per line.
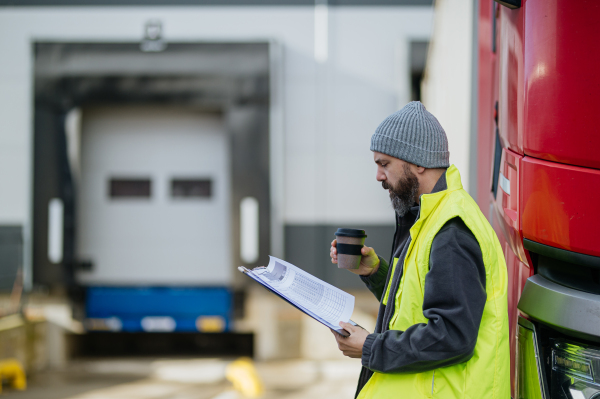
x,y
538,132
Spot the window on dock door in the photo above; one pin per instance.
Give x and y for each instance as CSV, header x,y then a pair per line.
x,y
130,188
191,188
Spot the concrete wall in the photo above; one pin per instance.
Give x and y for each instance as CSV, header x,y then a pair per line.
x,y
340,78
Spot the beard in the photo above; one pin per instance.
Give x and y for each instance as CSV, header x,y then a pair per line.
x,y
403,194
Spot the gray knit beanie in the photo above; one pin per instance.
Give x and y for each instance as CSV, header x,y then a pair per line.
x,y
414,135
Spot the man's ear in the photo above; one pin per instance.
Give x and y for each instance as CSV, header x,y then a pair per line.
x,y
419,169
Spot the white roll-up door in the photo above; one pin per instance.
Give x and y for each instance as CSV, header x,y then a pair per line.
x,y
153,202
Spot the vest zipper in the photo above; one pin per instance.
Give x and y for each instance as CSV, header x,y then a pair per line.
x,y
432,380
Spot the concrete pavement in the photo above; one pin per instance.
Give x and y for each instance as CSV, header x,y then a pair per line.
x,y
191,379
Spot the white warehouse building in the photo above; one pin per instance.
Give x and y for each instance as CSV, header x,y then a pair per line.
x,y
156,143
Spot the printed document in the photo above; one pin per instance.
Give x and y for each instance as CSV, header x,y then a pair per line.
x,y
313,296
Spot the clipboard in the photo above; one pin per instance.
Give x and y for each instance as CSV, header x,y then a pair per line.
x,y
340,330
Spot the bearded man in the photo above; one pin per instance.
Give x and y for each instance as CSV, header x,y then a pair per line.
x,y
442,327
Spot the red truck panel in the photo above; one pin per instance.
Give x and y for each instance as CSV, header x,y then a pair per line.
x,y
560,205
507,205
545,78
510,62
507,224
562,81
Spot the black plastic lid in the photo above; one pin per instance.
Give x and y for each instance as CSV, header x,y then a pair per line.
x,y
350,233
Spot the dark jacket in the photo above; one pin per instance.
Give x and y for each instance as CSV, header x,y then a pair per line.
x,y
453,303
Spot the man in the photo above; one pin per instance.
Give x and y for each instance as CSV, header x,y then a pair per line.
x,y
442,328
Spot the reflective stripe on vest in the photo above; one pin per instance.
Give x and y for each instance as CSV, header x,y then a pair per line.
x,y
486,374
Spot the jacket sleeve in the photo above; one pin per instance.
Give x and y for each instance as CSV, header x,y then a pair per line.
x,y
376,282
453,303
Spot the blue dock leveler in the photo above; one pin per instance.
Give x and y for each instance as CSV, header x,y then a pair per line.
x,y
159,309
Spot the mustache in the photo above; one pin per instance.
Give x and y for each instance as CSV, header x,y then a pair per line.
x,y
385,185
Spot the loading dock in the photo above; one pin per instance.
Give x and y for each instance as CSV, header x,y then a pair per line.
x,y
150,182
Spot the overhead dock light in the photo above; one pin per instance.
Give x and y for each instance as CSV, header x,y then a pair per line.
x,y
153,41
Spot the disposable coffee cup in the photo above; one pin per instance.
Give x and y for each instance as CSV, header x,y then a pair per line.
x,y
349,246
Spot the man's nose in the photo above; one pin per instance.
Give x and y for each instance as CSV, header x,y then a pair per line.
x,y
380,176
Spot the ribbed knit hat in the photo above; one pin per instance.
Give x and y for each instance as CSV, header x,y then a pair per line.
x,y
414,135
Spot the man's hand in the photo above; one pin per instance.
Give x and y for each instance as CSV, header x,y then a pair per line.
x,y
351,346
369,262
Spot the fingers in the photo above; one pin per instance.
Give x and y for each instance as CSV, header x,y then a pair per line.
x,y
341,343
336,334
340,340
333,251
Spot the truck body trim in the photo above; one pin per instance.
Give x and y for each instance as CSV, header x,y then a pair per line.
x,y
562,254
573,312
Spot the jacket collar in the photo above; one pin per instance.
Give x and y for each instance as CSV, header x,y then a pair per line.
x,y
440,185
449,181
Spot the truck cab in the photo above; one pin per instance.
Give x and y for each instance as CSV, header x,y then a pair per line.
x,y
539,183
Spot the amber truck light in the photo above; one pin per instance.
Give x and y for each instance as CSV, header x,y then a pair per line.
x,y
575,371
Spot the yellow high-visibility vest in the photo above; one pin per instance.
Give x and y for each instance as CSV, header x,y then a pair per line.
x,y
487,373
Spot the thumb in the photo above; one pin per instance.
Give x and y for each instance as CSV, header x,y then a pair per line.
x,y
348,327
366,250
